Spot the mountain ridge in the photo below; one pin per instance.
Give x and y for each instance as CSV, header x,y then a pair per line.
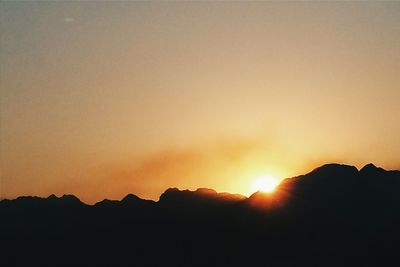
x,y
329,170
334,215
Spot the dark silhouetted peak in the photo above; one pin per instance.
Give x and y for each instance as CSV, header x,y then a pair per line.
x,y
265,200
334,169
371,169
173,193
206,191
212,194
28,198
65,199
369,166
52,197
234,197
326,185
68,196
70,199
198,197
328,176
170,192
130,198
52,201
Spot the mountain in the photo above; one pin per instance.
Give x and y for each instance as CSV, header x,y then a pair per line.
x,y
202,196
335,215
129,201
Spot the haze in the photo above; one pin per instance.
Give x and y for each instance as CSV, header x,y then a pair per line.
x,y
102,99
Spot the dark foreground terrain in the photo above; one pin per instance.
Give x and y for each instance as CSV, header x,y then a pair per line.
x,y
334,216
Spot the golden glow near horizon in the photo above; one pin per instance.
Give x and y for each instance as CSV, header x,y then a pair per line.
x,y
101,99
265,183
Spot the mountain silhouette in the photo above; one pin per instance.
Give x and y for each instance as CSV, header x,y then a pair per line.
x,y
335,215
200,197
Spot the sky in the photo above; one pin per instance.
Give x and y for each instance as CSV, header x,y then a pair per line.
x,y
101,99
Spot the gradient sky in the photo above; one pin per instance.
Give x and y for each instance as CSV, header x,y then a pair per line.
x,y
102,99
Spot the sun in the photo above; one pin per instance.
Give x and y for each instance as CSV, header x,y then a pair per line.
x,y
265,183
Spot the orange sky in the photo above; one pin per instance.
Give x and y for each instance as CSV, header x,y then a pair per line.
x,y
102,99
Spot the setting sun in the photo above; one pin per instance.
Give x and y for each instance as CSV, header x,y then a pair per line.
x,y
266,183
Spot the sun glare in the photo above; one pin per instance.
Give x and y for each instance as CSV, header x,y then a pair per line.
x,y
266,183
